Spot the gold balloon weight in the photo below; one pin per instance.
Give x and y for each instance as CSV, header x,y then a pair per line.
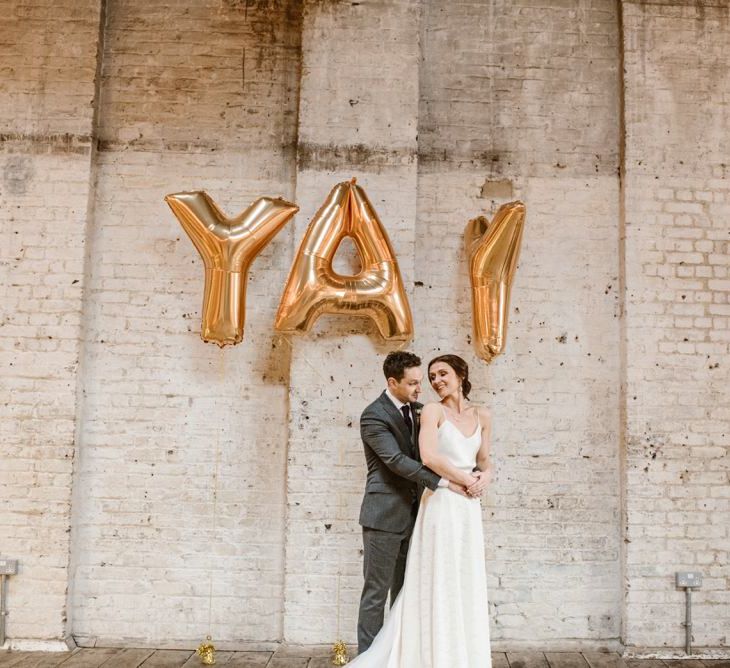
x,y
339,657
493,249
206,652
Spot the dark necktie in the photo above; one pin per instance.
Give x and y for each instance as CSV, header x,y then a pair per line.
x,y
407,417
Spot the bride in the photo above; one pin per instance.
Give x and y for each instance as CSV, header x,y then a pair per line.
x,y
440,617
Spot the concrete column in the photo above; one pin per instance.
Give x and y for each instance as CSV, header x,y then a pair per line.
x,y
357,117
49,61
520,100
181,482
677,202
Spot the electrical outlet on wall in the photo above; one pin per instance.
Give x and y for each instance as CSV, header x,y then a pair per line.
x,y
689,579
8,566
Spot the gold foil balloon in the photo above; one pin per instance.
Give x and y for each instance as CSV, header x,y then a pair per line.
x,y
314,287
227,246
493,250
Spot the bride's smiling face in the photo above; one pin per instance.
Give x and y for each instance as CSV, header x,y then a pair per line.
x,y
443,379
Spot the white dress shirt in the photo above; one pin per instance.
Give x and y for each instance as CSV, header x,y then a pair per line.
x,y
399,404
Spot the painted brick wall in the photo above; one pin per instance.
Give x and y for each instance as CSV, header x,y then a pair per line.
x,y
180,494
46,109
677,255
531,113
352,123
218,491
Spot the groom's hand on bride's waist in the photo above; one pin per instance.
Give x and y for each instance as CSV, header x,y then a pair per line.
x,y
458,489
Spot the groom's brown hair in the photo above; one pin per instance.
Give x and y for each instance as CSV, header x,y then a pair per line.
x,y
397,362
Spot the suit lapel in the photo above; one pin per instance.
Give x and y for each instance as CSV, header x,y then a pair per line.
x,y
397,417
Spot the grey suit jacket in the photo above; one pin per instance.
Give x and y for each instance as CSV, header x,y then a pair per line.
x,y
396,476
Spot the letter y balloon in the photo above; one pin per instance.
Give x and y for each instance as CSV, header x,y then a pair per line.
x,y
493,250
227,246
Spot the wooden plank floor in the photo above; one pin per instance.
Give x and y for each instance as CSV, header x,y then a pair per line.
x,y
302,657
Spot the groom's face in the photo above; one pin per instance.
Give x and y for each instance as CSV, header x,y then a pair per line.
x,y
407,388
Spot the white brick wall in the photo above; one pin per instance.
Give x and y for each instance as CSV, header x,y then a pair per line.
x,y
677,243
207,103
336,371
443,110
515,119
48,51
45,128
551,517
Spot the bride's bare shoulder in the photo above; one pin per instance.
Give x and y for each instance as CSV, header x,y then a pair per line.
x,y
484,412
431,408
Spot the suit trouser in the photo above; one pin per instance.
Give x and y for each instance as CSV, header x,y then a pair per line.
x,y
384,567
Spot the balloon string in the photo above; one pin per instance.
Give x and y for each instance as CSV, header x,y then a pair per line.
x,y
339,577
221,379
306,359
339,557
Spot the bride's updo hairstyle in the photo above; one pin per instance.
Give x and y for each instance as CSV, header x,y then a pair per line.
x,y
460,367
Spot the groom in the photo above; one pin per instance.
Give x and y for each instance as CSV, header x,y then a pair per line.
x,y
395,481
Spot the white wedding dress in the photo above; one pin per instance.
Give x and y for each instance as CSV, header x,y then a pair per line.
x,y
440,617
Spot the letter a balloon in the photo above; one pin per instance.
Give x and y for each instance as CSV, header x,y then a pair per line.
x,y
314,287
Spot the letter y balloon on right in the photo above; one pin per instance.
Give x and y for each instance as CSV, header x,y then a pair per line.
x,y
493,250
